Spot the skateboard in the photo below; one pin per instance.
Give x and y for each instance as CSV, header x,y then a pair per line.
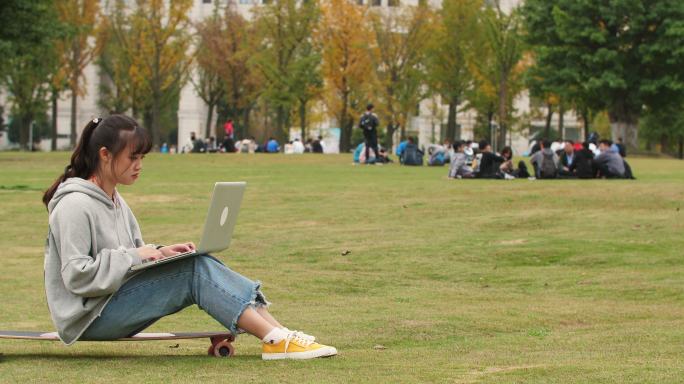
x,y
220,341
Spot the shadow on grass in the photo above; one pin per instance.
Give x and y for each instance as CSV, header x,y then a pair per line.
x,y
29,357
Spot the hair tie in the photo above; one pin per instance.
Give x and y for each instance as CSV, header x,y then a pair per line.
x,y
97,120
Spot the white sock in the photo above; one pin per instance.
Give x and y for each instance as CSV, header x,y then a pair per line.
x,y
275,336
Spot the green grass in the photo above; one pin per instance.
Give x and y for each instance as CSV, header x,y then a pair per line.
x,y
461,281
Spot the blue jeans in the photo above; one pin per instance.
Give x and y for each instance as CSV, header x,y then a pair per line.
x,y
166,289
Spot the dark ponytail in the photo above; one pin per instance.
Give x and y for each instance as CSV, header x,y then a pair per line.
x,y
115,133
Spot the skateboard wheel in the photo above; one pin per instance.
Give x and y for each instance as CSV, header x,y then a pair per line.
x,y
223,349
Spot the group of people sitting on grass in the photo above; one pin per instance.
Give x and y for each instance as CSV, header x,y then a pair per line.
x,y
248,145
572,160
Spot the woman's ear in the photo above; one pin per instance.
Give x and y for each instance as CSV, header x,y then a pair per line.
x,y
105,155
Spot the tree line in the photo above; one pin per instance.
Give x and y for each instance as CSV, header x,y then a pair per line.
x,y
295,63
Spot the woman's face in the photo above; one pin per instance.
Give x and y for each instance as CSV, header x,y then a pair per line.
x,y
127,167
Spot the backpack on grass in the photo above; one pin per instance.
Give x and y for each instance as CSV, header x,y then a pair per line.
x,y
548,166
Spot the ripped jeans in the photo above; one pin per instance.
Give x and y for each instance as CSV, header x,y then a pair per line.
x,y
166,289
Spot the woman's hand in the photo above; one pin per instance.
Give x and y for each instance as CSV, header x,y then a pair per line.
x,y
149,253
175,249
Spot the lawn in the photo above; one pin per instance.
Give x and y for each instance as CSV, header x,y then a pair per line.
x,y
463,281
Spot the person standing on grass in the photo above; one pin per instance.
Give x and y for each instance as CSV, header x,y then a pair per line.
x,y
94,240
228,128
369,126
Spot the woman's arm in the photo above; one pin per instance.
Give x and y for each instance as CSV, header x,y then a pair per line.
x,y
85,275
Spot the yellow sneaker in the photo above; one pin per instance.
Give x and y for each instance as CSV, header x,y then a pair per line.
x,y
294,346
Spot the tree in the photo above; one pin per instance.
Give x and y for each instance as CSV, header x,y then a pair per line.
x,y
666,126
449,53
482,96
79,47
28,58
346,68
503,40
58,83
208,84
307,74
620,55
154,38
398,53
285,27
225,77
117,92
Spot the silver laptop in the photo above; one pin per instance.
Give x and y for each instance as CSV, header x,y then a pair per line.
x,y
218,227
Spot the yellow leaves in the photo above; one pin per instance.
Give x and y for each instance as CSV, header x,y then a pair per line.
x,y
342,35
79,47
154,40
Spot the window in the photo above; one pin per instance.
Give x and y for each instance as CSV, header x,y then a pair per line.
x,y
359,2
376,3
206,1
392,3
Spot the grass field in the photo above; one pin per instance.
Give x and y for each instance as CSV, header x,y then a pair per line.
x,y
459,281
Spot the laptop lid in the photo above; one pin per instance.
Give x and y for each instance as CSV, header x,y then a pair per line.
x,y
222,216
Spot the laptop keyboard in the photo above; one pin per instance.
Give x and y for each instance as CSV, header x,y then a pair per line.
x,y
169,258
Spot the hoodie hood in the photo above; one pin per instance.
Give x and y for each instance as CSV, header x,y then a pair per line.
x,y
76,184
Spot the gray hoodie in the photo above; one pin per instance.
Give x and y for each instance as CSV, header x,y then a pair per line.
x,y
91,246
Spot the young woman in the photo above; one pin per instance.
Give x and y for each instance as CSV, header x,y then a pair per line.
x,y
94,240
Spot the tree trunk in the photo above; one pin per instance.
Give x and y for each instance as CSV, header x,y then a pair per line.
x,y
74,106
53,144
148,120
155,122
503,113
490,119
281,121
74,89
625,128
302,120
346,128
24,131
664,143
345,134
549,117
209,128
451,120
561,121
244,128
389,136
585,118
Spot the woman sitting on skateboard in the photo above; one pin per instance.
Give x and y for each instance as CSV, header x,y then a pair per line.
x,y
94,240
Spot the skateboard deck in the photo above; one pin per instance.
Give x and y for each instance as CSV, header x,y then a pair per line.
x,y
220,341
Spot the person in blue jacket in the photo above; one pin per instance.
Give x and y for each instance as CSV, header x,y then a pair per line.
x,y
272,146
